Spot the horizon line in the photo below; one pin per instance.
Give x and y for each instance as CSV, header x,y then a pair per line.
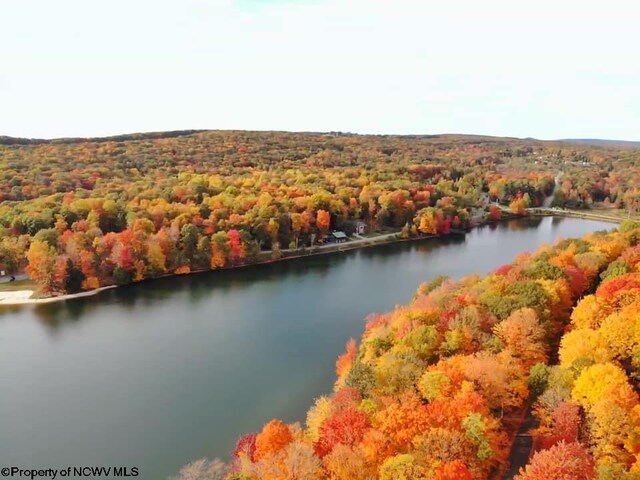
x,y
188,131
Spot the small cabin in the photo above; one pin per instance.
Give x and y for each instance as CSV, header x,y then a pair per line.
x,y
337,237
359,227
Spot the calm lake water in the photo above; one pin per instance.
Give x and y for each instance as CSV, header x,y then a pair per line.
x,y
158,374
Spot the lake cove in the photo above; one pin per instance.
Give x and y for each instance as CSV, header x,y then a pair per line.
x,y
157,374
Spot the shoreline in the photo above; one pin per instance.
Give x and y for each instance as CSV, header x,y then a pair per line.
x,y
586,215
22,297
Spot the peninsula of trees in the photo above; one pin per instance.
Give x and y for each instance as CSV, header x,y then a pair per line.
x,y
431,390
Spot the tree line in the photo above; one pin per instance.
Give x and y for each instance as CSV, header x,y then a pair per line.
x,y
79,215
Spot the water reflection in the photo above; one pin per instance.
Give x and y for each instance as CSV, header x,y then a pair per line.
x,y
523,224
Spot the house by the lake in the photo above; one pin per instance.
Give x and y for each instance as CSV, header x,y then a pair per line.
x,y
337,237
358,227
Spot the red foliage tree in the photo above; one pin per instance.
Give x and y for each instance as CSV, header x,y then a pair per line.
x,y
566,422
503,270
246,444
577,279
455,470
346,426
235,246
564,461
624,285
446,225
494,212
345,397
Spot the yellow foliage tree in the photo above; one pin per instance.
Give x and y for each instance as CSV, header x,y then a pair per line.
x,y
428,223
588,313
584,343
402,467
621,331
156,258
41,257
613,432
315,416
603,380
518,206
90,283
432,384
217,256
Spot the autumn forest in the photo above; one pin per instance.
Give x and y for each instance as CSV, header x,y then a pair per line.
x,y
435,389
84,213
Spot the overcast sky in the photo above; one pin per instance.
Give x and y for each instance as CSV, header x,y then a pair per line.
x,y
546,69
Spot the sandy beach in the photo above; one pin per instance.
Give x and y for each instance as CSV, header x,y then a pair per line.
x,y
23,297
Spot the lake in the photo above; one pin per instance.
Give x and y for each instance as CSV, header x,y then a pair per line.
x,y
157,374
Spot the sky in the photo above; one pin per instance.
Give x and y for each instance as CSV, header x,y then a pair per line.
x,y
544,69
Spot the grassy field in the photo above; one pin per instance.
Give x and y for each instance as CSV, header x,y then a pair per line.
x,y
21,285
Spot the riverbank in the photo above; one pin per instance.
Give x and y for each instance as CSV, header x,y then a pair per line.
x,y
586,214
24,297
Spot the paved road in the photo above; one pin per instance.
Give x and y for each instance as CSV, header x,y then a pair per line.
x,y
549,200
349,243
19,276
361,240
521,448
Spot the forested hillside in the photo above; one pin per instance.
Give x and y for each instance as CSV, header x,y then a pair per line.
x,y
82,213
588,405
431,389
